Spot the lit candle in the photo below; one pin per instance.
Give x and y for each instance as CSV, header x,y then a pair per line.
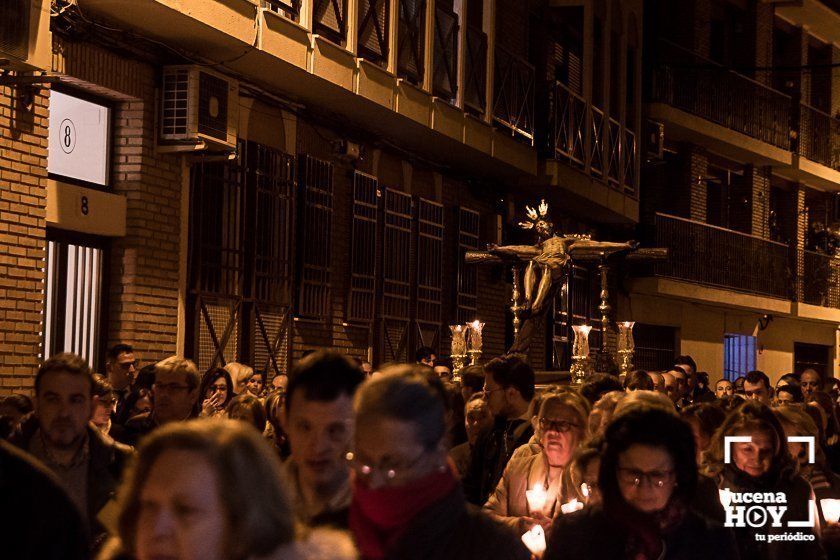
x,y
831,509
536,498
581,345
725,497
584,489
459,343
625,336
475,335
572,506
535,540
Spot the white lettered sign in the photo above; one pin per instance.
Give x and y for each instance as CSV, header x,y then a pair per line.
x,y
79,138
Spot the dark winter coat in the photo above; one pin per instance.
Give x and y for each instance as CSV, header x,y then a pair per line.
x,y
490,456
589,534
451,529
108,459
37,521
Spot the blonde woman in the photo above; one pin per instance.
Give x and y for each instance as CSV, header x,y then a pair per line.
x,y
240,374
561,426
209,489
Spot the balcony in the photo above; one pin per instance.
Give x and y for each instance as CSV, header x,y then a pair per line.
x,y
819,137
820,283
583,137
475,72
745,119
445,79
513,106
704,254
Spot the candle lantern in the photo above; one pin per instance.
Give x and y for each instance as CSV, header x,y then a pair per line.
x,y
476,342
626,346
580,353
458,350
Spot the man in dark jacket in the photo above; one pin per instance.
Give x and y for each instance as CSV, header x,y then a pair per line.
x,y
38,520
59,434
175,398
508,389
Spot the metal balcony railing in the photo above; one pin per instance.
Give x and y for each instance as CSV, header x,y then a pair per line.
x,y
445,77
513,95
819,136
702,87
412,40
715,256
587,139
820,280
475,73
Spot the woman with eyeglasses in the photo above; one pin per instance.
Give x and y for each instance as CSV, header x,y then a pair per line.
x,y
561,426
762,464
407,502
216,391
647,480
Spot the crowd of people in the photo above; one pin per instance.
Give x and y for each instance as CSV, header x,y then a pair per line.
x,y
338,461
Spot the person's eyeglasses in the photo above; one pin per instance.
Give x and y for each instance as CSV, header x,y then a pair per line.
x,y
128,365
170,387
562,426
487,391
635,477
388,469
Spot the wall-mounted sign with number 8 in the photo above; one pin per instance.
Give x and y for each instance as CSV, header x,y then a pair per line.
x,y
68,136
85,207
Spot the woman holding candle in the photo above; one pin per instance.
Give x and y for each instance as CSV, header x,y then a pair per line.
x,y
797,422
532,489
647,480
760,464
407,503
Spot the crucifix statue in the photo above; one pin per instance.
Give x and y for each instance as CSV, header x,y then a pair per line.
x,y
547,265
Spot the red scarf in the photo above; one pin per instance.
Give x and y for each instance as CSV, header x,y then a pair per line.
x,y
379,517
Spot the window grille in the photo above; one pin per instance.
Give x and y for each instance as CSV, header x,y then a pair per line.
x,y
316,187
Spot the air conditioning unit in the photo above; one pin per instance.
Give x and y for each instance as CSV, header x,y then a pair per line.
x,y
25,38
199,110
654,140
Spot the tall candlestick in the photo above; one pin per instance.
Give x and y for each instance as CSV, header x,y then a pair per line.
x,y
580,353
458,350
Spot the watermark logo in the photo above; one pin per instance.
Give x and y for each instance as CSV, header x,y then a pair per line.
x,y
763,509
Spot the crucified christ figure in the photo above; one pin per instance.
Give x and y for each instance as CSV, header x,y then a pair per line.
x,y
547,268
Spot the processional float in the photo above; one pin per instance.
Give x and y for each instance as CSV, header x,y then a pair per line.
x,y
538,272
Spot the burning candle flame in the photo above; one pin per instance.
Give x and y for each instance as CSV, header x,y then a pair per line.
x,y
536,498
831,509
535,540
572,506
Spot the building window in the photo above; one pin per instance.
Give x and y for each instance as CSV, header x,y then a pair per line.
x,y
364,248
73,312
241,230
738,355
811,356
469,222
329,19
315,242
429,272
286,8
656,347
373,30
